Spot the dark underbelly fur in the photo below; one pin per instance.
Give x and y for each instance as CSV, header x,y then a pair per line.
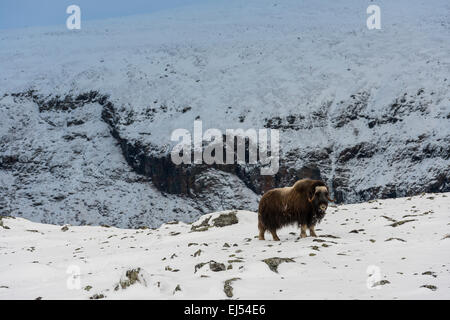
x,y
272,221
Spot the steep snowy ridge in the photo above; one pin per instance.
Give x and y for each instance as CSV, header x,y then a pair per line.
x,y
383,249
67,168
86,116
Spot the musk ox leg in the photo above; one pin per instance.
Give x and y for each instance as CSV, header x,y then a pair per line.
x,y
274,235
262,230
303,231
312,232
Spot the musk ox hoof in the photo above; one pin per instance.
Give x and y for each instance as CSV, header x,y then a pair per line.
x,y
261,238
303,235
313,235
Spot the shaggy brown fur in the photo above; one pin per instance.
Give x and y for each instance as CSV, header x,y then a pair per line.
x,y
303,203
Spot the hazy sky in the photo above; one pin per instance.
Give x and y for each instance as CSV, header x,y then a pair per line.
x,y
28,13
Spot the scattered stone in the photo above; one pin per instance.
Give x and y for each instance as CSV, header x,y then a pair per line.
x,y
177,288
203,226
65,228
390,239
87,288
226,245
418,215
429,286
430,273
225,219
130,278
399,223
389,218
273,263
328,236
227,288
213,266
380,283
197,253
199,265
235,261
97,296
192,244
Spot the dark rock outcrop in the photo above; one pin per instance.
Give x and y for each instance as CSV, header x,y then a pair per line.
x,y
336,163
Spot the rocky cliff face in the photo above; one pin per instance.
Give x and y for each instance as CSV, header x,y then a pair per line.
x,y
385,150
31,164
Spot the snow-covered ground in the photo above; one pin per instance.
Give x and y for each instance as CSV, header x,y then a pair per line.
x,y
384,249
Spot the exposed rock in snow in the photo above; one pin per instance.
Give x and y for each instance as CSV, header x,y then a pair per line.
x,y
132,277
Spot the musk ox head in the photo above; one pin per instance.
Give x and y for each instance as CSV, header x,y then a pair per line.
x,y
319,198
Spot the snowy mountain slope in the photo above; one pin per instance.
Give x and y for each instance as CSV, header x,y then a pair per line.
x,y
384,249
366,110
61,167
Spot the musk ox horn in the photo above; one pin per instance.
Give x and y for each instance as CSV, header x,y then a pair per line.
x,y
329,199
311,199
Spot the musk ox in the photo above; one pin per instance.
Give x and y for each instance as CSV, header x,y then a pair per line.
x,y
304,203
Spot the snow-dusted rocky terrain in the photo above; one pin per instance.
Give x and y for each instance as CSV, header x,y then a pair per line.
x,y
86,116
384,249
